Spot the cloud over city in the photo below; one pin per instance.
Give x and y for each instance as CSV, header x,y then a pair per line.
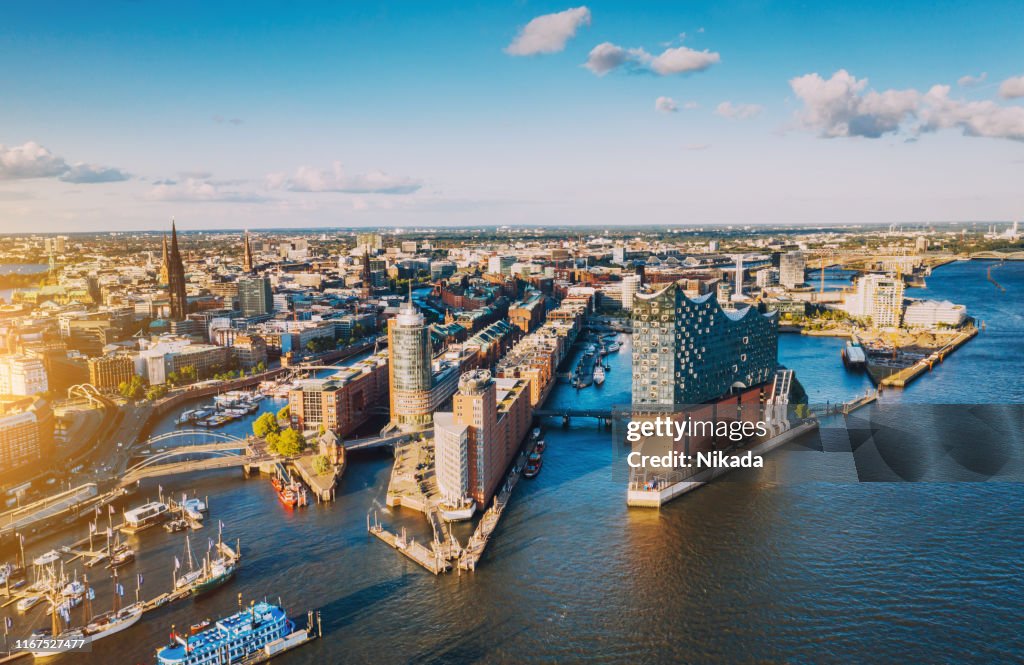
x,y
32,160
607,57
549,33
336,179
844,106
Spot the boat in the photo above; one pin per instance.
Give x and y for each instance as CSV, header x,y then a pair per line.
x,y
193,508
288,496
46,559
853,356
613,347
27,603
239,636
599,375
145,516
457,512
535,433
533,464
540,446
121,557
74,589
220,573
174,526
197,627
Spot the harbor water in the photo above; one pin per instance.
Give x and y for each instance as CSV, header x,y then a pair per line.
x,y
798,562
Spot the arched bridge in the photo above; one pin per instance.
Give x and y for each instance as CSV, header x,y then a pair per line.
x,y
214,450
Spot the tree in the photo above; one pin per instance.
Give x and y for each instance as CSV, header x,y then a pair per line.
x,y
273,440
132,389
291,443
321,464
265,425
188,374
261,366
174,378
156,392
285,413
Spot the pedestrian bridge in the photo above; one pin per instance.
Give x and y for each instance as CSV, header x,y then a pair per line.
x,y
188,451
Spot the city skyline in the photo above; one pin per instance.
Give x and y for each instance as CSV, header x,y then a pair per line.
x,y
119,118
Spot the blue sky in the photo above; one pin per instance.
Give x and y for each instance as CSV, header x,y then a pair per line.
x,y
258,114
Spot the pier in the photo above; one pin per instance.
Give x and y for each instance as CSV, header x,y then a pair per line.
x,y
846,408
431,559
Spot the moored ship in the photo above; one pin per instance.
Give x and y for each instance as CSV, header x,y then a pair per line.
x,y
232,639
145,516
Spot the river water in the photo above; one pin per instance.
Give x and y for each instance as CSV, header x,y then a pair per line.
x,y
798,562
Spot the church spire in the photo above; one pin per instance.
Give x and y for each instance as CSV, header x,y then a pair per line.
x,y
176,278
247,254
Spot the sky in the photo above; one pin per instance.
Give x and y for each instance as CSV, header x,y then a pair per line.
x,y
123,114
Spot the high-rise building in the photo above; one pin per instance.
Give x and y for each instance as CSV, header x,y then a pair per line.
x,y
255,297
370,241
476,442
739,276
630,287
500,265
176,279
409,367
26,431
879,297
691,351
791,269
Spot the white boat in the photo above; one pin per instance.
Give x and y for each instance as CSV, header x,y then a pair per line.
x,y
28,602
460,513
598,375
145,516
46,559
102,626
74,589
613,347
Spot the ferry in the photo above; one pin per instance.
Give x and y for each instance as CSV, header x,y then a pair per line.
x,y
853,356
234,638
533,464
145,516
599,375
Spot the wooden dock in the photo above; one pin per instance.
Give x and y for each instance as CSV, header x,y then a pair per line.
x,y
431,559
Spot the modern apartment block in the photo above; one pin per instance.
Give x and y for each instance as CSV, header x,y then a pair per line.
x,y
791,269
691,351
341,402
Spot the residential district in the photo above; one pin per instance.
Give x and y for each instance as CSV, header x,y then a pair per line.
x,y
439,345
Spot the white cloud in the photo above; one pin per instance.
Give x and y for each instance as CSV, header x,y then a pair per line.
x,y
839,107
309,179
32,160
666,105
1012,88
201,191
682,60
842,106
972,81
549,33
606,57
738,111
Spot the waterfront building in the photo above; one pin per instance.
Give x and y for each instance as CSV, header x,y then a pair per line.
x,y
22,375
528,313
690,351
255,296
766,277
409,366
791,269
109,372
934,314
26,431
630,287
248,351
879,297
343,401
477,441
171,357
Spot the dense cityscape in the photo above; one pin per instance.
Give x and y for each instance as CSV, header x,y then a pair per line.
x,y
430,333
440,347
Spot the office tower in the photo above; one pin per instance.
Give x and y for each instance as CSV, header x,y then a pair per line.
x,y
176,279
791,269
689,351
630,287
247,265
500,265
409,366
255,296
879,297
